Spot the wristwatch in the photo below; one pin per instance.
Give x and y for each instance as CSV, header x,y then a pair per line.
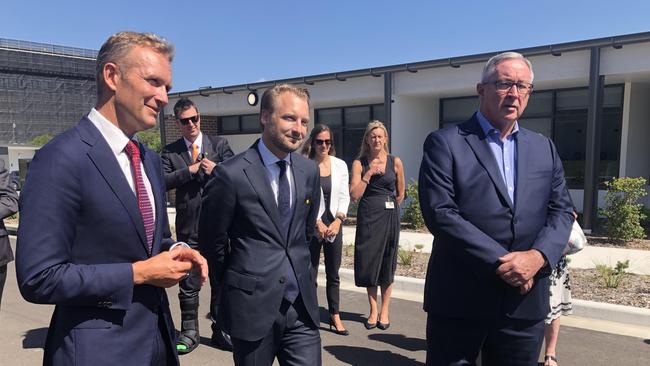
x,y
341,216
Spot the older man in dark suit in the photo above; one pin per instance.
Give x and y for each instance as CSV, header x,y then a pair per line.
x,y
187,164
8,207
263,203
93,237
493,195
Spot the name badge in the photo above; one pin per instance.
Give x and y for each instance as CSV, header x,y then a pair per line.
x,y
390,205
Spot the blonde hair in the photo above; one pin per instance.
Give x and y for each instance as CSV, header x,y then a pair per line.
x,y
117,47
374,124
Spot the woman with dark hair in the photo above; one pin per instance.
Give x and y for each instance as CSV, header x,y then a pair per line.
x,y
378,184
335,199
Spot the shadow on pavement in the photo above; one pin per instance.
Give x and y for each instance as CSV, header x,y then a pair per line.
x,y
646,341
345,317
401,341
360,356
35,338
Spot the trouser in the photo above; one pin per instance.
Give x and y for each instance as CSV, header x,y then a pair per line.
x,y
188,292
293,339
3,278
501,342
332,252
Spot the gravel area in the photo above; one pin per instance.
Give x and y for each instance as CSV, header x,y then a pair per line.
x,y
586,284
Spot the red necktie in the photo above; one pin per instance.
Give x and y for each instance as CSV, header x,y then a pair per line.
x,y
133,152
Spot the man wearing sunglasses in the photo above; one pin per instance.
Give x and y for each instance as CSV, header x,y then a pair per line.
x,y
187,165
493,195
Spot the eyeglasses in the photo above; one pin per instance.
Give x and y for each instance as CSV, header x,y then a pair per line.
x,y
505,86
321,142
186,121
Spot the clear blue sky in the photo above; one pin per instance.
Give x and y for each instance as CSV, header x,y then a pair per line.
x,y
222,42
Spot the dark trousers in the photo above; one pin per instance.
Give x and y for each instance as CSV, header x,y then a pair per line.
x,y
293,339
501,342
332,252
3,278
189,288
163,355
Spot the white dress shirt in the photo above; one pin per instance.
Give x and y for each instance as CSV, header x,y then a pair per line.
x,y
117,141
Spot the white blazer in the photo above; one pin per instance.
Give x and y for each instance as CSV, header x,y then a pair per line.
x,y
340,196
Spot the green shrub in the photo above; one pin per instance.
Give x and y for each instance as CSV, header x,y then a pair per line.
x,y
412,212
151,138
40,140
623,213
612,277
404,257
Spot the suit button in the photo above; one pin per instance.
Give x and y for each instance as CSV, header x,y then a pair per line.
x,y
282,279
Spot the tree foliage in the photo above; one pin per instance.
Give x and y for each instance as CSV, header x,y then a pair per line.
x,y
412,211
40,140
151,138
622,210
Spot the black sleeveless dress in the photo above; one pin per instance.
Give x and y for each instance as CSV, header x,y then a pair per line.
x,y
377,236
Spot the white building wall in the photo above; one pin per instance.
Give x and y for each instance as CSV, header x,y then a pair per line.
x,y
637,144
413,118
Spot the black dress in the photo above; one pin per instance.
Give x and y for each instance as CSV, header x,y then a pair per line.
x,y
377,236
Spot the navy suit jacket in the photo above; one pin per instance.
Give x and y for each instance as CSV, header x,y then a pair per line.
x,y
176,162
80,231
239,209
474,222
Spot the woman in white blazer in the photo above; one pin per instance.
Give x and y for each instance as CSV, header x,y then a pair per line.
x,y
335,199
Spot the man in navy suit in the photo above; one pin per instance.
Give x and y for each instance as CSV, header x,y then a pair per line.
x,y
187,164
257,219
493,195
93,237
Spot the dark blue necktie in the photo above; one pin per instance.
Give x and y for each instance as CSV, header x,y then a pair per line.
x,y
284,207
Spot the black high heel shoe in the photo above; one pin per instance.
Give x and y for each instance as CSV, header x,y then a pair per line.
x,y
382,326
343,332
369,325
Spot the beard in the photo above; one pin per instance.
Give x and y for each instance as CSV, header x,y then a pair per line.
x,y
285,143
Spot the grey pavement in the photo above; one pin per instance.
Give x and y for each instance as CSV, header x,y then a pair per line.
x,y
24,327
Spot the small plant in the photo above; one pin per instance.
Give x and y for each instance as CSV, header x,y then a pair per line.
x,y
348,250
624,215
412,212
612,277
40,140
419,247
405,257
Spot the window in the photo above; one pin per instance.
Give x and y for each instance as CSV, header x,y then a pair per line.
x,y
348,125
239,124
562,115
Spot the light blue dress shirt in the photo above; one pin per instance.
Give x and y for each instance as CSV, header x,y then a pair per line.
x,y
504,151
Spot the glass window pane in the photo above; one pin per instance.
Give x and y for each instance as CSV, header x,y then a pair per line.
x,y
329,116
572,99
458,109
613,96
570,140
541,125
351,144
251,123
356,116
229,124
610,145
338,141
379,112
539,103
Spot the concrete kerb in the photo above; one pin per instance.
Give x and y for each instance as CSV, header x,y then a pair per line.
x,y
408,288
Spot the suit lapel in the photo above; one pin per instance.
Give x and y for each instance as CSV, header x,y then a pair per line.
x,y
299,182
103,158
184,152
522,163
207,148
478,143
256,173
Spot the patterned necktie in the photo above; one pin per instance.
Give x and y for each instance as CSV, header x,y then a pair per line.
x,y
291,289
133,152
195,152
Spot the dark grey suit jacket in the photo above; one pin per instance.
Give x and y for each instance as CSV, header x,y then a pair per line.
x,y
239,208
8,207
176,161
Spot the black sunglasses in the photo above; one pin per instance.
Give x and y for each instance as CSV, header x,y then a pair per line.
x,y
320,142
186,121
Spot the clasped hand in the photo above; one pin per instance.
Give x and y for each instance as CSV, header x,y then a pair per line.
x,y
517,269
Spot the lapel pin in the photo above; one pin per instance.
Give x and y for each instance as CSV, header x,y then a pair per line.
x,y
307,201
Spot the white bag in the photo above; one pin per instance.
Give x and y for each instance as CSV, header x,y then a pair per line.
x,y
577,240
